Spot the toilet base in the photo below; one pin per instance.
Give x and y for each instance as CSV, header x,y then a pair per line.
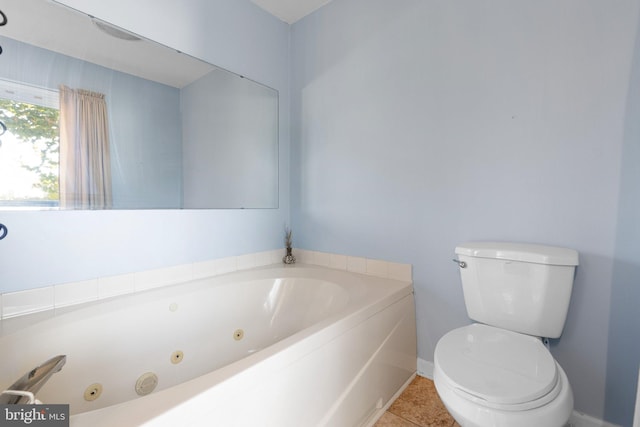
x,y
469,414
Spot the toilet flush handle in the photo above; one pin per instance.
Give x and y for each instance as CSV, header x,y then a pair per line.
x,y
461,264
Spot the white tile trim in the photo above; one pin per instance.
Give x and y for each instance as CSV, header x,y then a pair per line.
x,y
579,419
67,294
112,286
162,277
30,301
356,264
27,302
338,262
369,266
377,268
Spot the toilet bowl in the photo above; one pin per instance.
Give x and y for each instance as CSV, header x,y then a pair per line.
x,y
487,376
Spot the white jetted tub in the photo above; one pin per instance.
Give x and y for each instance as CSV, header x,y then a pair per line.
x,y
296,346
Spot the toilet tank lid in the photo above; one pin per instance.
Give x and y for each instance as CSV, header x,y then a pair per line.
x,y
525,252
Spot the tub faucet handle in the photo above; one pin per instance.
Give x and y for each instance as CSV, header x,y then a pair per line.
x,y
461,264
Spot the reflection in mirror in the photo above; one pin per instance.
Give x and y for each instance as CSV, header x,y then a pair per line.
x,y
99,118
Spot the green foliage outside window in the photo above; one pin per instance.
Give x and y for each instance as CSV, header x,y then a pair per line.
x,y
37,126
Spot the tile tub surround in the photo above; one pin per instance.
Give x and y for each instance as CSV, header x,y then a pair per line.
x,y
66,295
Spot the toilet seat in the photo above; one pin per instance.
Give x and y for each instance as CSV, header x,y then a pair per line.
x,y
497,368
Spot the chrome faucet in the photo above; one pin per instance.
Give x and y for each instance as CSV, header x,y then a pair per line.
x,y
24,390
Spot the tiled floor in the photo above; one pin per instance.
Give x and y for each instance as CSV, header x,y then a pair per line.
x,y
417,406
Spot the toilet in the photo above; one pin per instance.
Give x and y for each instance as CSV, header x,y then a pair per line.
x,y
498,372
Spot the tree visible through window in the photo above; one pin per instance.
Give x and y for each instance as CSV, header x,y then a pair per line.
x,y
29,155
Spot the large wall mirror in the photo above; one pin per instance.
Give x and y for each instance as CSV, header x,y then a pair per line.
x,y
99,118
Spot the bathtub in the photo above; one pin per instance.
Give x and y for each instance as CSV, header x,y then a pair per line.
x,y
276,346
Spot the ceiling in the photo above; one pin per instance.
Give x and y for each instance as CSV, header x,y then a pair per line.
x,y
290,10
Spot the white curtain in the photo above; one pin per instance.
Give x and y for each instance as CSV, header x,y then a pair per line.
x,y
85,165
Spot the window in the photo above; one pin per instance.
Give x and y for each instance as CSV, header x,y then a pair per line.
x,y
30,147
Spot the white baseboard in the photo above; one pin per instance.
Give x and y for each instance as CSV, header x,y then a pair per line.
x,y
636,415
425,368
578,419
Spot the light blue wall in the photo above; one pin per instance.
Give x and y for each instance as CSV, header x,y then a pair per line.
x,y
418,125
624,324
45,248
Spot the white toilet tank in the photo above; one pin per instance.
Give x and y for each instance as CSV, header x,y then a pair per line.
x,y
519,287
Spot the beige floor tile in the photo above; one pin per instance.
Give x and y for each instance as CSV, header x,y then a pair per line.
x,y
420,404
391,420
